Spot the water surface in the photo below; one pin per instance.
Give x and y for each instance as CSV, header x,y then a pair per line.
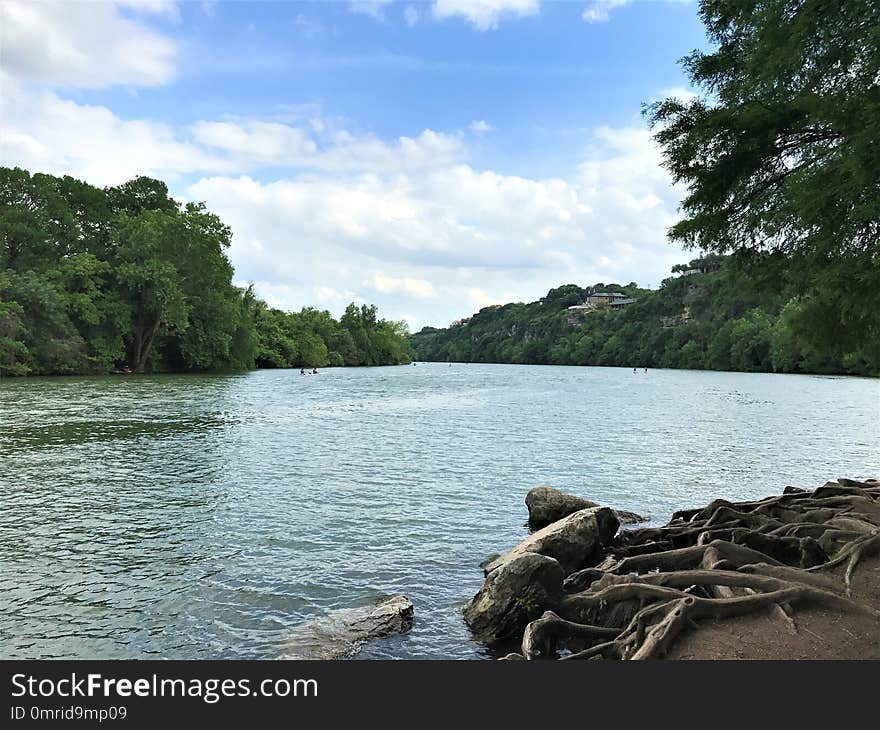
x,y
204,516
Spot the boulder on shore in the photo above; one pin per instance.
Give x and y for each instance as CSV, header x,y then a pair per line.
x,y
629,518
547,505
513,595
343,633
574,541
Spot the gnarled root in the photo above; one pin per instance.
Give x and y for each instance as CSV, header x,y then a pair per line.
x,y
853,553
540,637
669,605
721,561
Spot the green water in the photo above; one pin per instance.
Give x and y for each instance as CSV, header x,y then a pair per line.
x,y
204,516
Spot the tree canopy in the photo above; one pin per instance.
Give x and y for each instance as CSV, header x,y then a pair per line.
x,y
98,279
714,315
780,155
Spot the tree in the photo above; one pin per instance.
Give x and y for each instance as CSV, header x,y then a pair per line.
x,y
147,245
14,355
35,222
781,155
36,314
177,278
92,279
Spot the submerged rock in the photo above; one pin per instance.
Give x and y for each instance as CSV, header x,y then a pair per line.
x,y
513,595
574,541
547,505
343,633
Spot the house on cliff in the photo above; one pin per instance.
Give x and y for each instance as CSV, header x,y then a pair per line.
x,y
602,300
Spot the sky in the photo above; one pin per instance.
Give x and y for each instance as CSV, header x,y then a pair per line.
x,y
430,157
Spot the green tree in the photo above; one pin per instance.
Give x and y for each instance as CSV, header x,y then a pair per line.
x,y
780,158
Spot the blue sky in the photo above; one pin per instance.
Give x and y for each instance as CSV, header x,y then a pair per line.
x,y
431,157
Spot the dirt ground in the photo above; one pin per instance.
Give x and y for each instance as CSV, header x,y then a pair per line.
x,y
820,633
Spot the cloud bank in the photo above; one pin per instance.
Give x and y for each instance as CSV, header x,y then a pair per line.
x,y
322,215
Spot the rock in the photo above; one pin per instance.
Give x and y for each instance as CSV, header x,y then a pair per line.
x,y
629,518
513,595
547,505
488,561
574,541
343,633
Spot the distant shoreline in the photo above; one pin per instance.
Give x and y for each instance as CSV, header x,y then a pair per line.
x,y
870,376
4,376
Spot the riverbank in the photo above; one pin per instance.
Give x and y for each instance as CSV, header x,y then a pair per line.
x,y
790,576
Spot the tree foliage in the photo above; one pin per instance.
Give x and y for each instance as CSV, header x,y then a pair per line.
x,y
780,158
92,280
717,317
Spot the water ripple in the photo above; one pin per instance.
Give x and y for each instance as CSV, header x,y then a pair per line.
x,y
205,516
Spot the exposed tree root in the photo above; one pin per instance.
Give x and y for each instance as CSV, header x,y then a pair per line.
x,y
713,563
852,553
539,639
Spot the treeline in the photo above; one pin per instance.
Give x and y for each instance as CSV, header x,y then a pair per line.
x,y
716,314
312,338
94,280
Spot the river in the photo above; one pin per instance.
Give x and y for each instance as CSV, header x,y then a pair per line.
x,y
202,516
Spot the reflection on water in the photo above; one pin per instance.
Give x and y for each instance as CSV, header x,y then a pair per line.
x,y
30,436
205,516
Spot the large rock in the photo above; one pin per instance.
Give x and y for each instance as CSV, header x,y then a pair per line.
x,y
574,541
343,633
515,594
547,505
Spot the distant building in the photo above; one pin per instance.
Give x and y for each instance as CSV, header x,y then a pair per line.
x,y
620,303
604,297
602,300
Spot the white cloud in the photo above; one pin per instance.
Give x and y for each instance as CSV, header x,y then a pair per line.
x,y
407,223
158,7
43,132
373,8
599,11
481,299
262,142
253,144
420,288
480,126
447,240
39,130
678,92
411,15
87,45
484,14
308,27
351,152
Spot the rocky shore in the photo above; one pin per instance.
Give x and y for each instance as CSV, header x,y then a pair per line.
x,y
789,565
